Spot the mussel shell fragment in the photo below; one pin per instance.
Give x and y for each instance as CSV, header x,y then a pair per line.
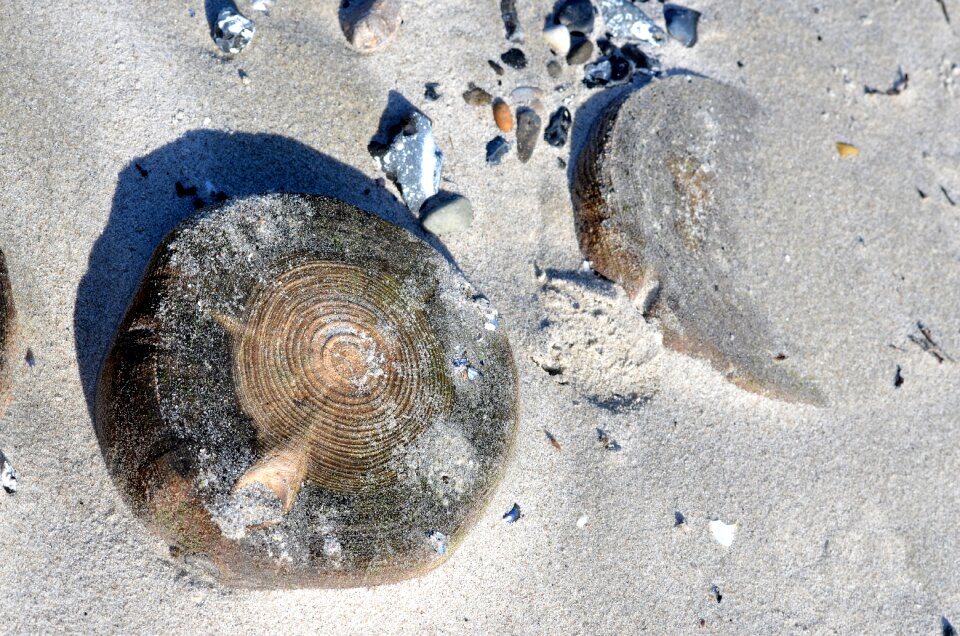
x,y
660,192
302,394
7,315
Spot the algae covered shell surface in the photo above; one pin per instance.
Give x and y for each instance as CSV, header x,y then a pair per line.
x,y
662,194
7,315
302,394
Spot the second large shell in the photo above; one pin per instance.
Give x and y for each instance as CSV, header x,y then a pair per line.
x,y
661,194
302,394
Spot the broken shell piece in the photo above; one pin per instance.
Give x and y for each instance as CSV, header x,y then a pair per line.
x,y
660,192
8,476
413,161
513,514
625,20
279,400
370,24
232,32
7,315
724,533
847,150
502,115
557,37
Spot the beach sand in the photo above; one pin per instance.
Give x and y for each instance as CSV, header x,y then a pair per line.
x,y
846,514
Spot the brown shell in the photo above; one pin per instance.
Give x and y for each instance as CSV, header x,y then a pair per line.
x,y
302,394
7,329
659,193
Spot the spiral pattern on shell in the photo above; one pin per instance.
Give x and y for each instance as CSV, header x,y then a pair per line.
x,y
339,362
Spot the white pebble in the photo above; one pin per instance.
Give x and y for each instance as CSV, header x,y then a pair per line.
x,y
582,521
558,39
723,533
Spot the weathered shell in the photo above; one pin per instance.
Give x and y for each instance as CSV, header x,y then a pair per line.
x,y
306,395
658,192
7,328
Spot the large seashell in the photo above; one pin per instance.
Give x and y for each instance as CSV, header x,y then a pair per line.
x,y
7,315
658,194
306,395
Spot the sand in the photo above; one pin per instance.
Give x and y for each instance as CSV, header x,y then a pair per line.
x,y
845,514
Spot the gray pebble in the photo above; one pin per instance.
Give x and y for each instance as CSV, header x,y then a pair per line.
x,y
446,214
554,69
580,52
528,131
681,23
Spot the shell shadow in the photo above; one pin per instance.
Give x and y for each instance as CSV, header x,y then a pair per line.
x,y
157,191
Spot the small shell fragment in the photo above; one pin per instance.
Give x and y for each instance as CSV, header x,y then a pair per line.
x,y
557,37
847,150
582,521
723,533
502,115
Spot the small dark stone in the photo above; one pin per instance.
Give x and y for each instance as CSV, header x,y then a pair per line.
x,y
681,23
497,149
576,15
528,131
143,171
514,58
430,93
496,67
620,69
581,50
558,128
554,69
606,47
562,162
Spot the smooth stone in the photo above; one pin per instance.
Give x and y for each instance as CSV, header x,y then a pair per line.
x,y
681,23
577,15
370,24
528,131
446,214
557,38
526,94
580,52
554,69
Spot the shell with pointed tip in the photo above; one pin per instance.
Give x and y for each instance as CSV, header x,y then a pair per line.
x,y
660,193
302,394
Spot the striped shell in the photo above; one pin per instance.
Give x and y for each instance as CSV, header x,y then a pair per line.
x,y
302,394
